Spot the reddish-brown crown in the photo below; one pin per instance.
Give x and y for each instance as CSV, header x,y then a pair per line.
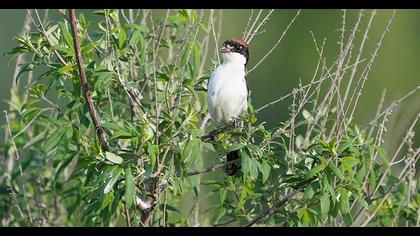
x,y
240,41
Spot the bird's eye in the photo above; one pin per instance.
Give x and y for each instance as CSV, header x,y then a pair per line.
x,y
239,47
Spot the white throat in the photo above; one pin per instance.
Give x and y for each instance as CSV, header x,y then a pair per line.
x,y
234,58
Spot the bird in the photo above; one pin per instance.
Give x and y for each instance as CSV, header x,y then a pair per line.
x,y
228,91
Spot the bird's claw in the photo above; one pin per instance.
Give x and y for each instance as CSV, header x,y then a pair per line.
x,y
238,123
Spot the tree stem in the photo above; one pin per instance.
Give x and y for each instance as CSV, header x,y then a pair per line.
x,y
84,84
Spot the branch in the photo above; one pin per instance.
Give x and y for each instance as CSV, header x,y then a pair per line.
x,y
41,29
84,84
208,169
274,208
276,44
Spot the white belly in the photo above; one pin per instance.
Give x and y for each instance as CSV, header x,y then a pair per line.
x,y
227,94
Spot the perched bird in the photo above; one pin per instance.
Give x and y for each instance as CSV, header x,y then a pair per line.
x,y
228,91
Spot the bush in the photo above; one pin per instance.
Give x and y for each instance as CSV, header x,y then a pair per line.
x,y
117,135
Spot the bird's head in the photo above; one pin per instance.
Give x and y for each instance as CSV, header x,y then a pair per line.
x,y
235,50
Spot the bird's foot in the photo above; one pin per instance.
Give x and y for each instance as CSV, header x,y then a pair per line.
x,y
237,123
211,136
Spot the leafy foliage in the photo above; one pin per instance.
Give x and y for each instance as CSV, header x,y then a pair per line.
x,y
148,84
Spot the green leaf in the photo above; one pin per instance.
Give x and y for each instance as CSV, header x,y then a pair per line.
x,y
36,139
241,202
64,50
53,140
235,147
66,34
336,171
196,56
25,68
360,175
309,192
122,134
114,177
383,155
327,183
188,150
221,212
266,168
348,221
344,201
222,197
325,203
172,208
112,126
372,181
129,187
247,164
135,36
64,69
363,202
135,26
114,158
107,200
312,172
304,216
151,154
122,38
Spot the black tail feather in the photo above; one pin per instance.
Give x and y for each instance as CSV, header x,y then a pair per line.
x,y
232,169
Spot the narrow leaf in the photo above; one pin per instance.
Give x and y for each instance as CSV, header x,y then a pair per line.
x,y
114,158
129,187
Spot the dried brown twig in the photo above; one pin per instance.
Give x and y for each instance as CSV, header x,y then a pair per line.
x,y
84,84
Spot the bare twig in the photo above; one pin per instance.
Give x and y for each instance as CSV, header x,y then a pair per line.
x,y
252,26
127,215
247,24
212,28
258,27
367,69
276,44
353,72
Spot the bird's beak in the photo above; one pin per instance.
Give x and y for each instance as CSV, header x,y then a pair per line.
x,y
224,49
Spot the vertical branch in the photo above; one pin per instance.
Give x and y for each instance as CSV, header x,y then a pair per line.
x,y
212,28
84,84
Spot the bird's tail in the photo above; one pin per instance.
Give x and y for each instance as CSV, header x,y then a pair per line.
x,y
232,168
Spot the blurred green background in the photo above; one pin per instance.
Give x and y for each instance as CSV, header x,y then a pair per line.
x,y
396,68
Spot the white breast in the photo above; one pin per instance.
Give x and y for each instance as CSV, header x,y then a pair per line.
x,y
227,93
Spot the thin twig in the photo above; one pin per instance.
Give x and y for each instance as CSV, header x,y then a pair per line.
x,y
127,215
212,28
258,27
276,44
247,24
252,26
